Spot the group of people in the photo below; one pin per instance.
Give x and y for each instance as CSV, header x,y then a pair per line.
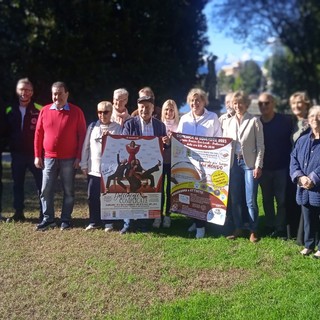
x,y
281,153
53,141
47,141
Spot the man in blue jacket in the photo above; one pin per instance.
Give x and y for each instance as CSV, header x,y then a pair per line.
x,y
144,125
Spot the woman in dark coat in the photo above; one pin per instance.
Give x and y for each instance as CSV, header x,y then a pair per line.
x,y
305,172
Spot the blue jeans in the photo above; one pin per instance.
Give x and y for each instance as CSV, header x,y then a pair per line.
x,y
52,168
311,216
243,190
273,185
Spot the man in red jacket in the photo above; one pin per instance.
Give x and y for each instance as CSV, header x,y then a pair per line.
x,y
59,136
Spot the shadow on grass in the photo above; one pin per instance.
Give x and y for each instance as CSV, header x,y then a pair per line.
x,y
179,226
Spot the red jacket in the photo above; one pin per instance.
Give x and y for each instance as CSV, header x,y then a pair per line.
x,y
60,134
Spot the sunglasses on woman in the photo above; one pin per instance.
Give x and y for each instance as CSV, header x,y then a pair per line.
x,y
104,112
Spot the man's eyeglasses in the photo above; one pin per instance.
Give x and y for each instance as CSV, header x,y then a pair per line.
x,y
104,112
263,103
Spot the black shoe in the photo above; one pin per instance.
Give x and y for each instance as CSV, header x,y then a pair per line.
x,y
45,225
279,234
269,231
65,226
143,229
17,218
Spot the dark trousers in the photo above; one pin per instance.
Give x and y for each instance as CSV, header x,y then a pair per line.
x,y
311,216
135,181
19,165
118,178
94,191
199,223
294,216
165,198
148,175
135,184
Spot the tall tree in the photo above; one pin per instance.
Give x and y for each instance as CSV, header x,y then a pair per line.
x,y
250,75
97,46
248,78
225,83
283,77
295,23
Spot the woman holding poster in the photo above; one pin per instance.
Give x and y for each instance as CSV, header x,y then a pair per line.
x,y
247,134
91,161
170,117
199,122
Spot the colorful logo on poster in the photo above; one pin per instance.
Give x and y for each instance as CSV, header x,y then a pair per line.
x,y
219,179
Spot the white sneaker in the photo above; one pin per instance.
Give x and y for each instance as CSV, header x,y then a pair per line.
x,y
200,233
192,228
166,222
124,230
91,226
108,227
157,223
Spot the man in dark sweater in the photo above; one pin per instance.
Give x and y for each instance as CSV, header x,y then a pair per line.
x,y
277,130
22,118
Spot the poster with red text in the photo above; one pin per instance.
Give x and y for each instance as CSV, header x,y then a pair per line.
x,y
200,169
131,177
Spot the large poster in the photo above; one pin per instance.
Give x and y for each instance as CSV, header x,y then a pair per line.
x,y
200,176
131,177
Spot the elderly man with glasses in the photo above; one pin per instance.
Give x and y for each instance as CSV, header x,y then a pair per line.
x,y
277,130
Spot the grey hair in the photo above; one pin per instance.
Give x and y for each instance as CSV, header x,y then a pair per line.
x,y
314,108
202,95
25,81
60,84
120,92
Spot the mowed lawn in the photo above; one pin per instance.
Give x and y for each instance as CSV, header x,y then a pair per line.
x,y
164,274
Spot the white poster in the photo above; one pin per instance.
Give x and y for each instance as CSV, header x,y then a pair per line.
x,y
131,182
200,168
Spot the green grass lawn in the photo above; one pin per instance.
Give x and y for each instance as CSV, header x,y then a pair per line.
x,y
164,274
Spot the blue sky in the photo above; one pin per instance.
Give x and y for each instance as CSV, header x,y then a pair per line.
x,y
227,49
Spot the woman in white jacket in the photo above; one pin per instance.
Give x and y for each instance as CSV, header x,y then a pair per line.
x,y
199,122
248,145
91,161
